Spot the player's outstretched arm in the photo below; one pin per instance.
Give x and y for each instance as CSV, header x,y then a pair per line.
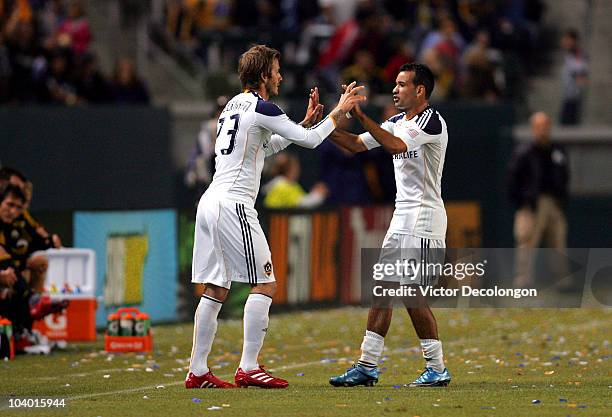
x,y
274,119
390,142
348,141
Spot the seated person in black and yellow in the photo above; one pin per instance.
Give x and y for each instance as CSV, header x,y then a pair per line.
x,y
28,236
17,301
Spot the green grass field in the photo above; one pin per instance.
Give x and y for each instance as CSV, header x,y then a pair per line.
x,y
501,360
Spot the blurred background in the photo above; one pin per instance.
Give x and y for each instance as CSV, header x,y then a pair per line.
x,y
108,107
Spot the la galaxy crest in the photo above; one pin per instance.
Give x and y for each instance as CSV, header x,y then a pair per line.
x,y
268,268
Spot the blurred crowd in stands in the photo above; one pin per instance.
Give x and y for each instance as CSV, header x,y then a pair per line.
x,y
477,49
45,57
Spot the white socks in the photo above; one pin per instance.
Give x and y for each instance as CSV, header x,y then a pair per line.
x,y
204,329
256,321
432,352
371,349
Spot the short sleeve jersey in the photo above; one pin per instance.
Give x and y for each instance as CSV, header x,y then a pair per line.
x,y
419,209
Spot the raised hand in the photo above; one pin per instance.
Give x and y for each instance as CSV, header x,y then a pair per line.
x,y
314,111
348,100
350,97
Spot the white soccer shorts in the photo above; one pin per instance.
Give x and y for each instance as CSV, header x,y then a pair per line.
x,y
428,253
229,245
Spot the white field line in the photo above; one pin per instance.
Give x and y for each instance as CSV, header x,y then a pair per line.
x,y
328,343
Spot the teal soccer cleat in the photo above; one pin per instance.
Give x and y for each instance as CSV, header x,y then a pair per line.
x,y
356,375
431,378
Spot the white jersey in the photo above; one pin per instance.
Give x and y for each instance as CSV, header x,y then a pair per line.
x,y
249,129
419,209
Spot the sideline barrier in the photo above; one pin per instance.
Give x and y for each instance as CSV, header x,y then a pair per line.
x,y
317,254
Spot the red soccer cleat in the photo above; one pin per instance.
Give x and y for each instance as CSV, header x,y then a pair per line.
x,y
208,380
258,378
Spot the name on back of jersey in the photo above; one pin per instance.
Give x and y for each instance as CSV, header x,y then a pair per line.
x,y
237,105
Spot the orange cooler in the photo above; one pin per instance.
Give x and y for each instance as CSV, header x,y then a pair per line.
x,y
77,323
71,268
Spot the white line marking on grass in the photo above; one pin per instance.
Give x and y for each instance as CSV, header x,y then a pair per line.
x,y
81,374
153,387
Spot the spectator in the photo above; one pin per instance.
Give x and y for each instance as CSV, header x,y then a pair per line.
x,y
365,71
574,78
74,31
446,39
51,16
363,32
126,87
23,50
401,55
57,85
91,85
284,190
443,73
338,12
479,66
538,177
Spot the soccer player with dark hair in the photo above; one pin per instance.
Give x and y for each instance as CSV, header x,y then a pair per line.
x,y
18,301
14,290
229,244
28,235
417,138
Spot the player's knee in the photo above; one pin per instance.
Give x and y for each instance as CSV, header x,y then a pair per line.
x,y
216,292
268,289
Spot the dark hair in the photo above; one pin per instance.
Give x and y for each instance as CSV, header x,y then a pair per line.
x,y
254,63
7,189
7,172
422,76
572,33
